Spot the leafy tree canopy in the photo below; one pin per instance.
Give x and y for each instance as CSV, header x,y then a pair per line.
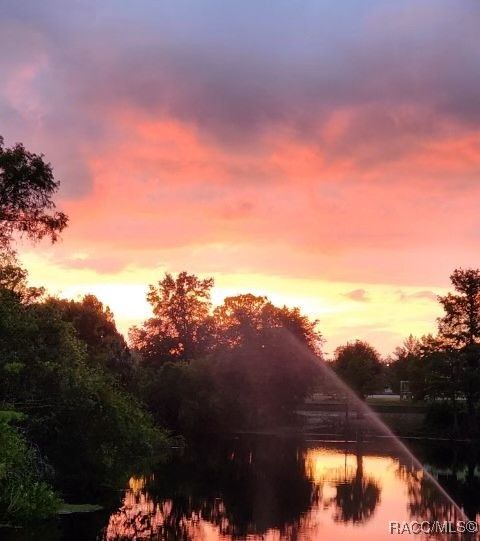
x,y
27,185
95,326
358,364
460,326
179,328
248,317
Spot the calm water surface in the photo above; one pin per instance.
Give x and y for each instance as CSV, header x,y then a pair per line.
x,y
270,489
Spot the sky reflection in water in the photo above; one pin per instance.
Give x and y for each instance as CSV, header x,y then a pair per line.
x,y
272,491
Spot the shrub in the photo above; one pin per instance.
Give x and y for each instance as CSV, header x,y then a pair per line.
x,y
24,495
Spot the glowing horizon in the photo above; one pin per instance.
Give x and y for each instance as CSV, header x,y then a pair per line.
x,y
341,308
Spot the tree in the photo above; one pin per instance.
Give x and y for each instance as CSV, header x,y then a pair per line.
x,y
27,185
95,326
239,318
263,379
247,317
400,362
74,413
262,362
179,327
459,329
266,358
460,326
412,362
13,278
24,493
358,364
184,397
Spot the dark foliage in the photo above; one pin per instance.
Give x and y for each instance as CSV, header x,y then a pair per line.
x,y
255,362
84,424
359,365
26,189
95,326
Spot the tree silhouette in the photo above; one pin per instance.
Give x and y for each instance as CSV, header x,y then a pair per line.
x,y
460,326
179,327
95,326
358,364
266,376
459,329
26,189
246,317
14,279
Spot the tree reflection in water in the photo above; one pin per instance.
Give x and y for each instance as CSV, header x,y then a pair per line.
x,y
246,489
425,500
455,468
140,517
273,489
357,496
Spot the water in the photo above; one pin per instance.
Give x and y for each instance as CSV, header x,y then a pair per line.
x,y
273,488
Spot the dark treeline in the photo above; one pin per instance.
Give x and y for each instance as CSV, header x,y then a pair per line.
x,y
442,370
245,364
445,369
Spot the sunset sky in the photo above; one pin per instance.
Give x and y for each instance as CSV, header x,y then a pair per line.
x,y
324,153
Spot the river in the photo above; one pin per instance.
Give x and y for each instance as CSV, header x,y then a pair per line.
x,y
272,488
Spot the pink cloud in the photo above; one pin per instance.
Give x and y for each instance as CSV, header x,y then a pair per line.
x,y
163,193
352,155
